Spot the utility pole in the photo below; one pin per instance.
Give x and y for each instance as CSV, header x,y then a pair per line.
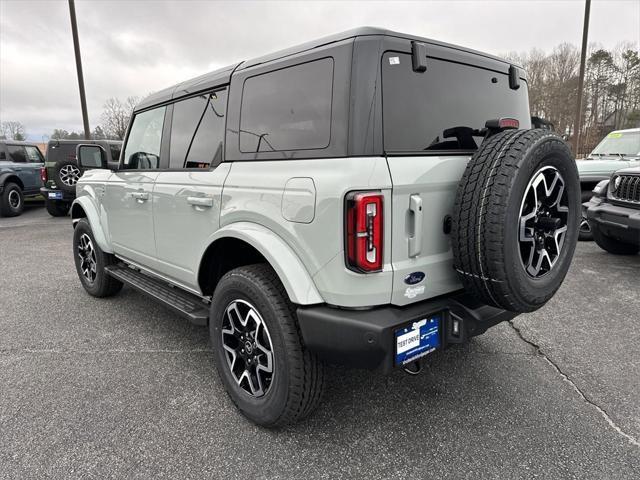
x,y
583,57
76,48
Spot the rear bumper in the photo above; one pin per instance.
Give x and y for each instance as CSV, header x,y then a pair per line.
x,y
66,196
365,338
616,221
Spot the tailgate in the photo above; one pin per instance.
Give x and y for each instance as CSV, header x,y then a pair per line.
x,y
424,189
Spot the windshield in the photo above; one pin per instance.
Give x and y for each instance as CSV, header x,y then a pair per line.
x,y
619,143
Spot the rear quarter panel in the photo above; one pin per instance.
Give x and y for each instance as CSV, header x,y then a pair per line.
x,y
318,239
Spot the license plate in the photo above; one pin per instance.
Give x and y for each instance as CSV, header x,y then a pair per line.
x,y
55,195
418,339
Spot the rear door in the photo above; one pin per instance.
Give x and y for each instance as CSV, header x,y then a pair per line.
x,y
20,165
187,196
129,191
35,161
425,167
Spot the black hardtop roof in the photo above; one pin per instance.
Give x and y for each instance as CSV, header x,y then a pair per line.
x,y
79,141
223,75
18,142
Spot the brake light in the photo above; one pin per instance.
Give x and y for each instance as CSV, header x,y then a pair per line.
x,y
43,175
506,123
363,231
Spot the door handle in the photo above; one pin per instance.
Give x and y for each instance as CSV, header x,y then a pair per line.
x,y
200,201
415,231
140,196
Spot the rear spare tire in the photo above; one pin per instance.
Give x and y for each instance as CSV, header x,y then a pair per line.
x,y
516,217
66,174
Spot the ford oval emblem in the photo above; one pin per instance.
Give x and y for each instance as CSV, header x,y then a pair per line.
x,y
413,278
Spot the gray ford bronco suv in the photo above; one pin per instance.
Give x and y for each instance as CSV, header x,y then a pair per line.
x,y
20,175
364,200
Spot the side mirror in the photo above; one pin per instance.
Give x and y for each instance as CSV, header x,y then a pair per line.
x,y
91,156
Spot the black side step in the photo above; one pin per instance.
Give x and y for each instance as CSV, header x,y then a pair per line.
x,y
186,304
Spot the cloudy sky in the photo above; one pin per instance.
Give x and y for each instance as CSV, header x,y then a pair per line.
x,y
136,47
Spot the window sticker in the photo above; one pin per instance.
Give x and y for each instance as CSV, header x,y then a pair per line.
x,y
394,60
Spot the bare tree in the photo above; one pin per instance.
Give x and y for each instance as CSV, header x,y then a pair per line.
x,y
611,94
116,114
13,130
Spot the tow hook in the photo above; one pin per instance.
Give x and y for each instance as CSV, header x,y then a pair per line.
x,y
414,368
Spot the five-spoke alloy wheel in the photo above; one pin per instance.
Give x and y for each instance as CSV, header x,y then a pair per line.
x,y
543,221
246,340
87,255
91,261
259,353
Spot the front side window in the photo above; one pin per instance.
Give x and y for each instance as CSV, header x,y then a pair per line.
x,y
418,107
143,145
197,131
288,109
34,155
17,153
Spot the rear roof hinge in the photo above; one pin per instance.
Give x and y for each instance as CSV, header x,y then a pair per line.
x,y
419,56
514,77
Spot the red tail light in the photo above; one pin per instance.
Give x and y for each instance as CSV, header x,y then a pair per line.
x,y
43,175
364,215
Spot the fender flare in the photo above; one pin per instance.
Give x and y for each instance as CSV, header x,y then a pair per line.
x,y
4,176
290,270
92,215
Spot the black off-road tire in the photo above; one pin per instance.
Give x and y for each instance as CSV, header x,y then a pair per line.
x,y
61,175
486,218
103,284
298,376
11,200
584,233
57,209
612,245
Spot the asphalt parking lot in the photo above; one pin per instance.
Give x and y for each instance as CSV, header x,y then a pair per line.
x,y
120,387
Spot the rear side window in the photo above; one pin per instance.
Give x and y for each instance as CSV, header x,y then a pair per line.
x,y
61,151
418,107
197,131
288,109
143,145
33,155
17,153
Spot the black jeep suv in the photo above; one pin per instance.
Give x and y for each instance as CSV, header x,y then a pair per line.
x,y
62,171
614,212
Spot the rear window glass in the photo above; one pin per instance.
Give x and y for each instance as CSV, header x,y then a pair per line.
x,y
289,109
197,131
419,107
61,151
33,154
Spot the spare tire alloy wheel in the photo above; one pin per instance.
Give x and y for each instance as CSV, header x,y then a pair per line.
x,y
69,175
87,254
543,222
248,348
516,219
